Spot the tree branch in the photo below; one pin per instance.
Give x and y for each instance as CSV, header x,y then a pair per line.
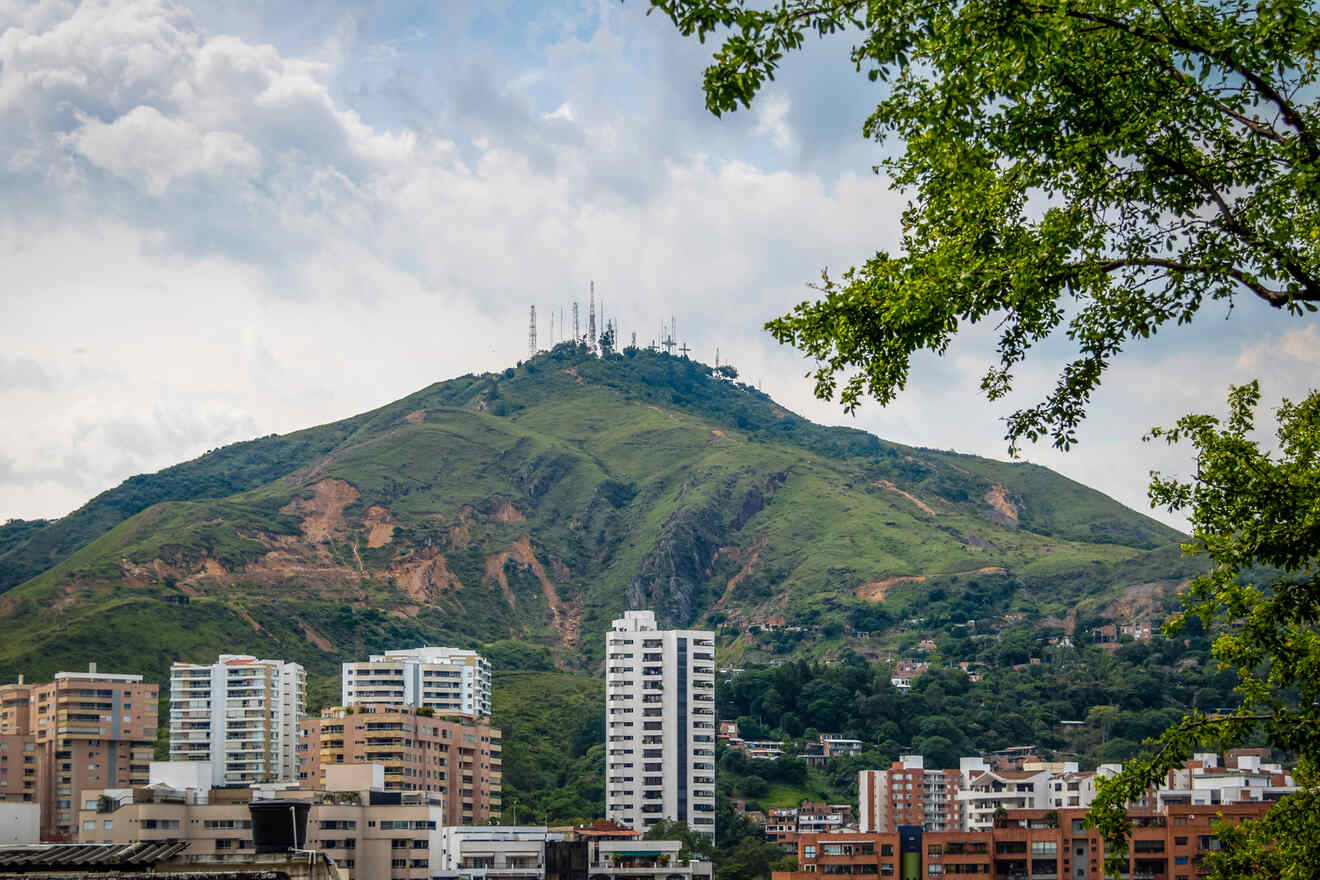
x,y
1276,298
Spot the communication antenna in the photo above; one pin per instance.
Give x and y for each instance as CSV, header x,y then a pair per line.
x,y
561,320
591,318
684,349
577,332
531,334
552,328
634,339
717,357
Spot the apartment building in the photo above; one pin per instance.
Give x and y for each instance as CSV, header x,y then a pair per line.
x,y
660,716
493,852
1040,844
450,681
375,834
456,759
909,794
82,730
240,714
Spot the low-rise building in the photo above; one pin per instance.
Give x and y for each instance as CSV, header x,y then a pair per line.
x,y
375,834
1044,844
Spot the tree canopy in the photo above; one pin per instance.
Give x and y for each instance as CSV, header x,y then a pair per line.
x,y
1250,511
1098,168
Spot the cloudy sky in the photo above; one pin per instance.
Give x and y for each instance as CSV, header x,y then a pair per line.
x,y
233,219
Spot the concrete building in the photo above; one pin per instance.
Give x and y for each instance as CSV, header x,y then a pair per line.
x,y
660,724
374,834
493,852
1045,844
20,823
908,794
448,680
456,758
83,730
240,714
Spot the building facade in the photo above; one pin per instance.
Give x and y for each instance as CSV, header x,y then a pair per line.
x,y
84,730
376,835
909,794
240,714
660,724
448,680
1165,845
457,759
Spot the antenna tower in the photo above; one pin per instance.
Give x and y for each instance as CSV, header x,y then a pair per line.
x,y
684,349
591,319
531,334
577,333
634,339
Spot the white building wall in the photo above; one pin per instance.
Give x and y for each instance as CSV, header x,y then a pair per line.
x,y
448,680
252,708
660,724
20,823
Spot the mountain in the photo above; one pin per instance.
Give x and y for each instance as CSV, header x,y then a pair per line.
x,y
522,510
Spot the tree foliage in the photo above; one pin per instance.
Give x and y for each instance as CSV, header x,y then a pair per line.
x,y
1100,168
1250,510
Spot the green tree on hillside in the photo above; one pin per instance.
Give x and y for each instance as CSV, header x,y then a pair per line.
x,y
1102,168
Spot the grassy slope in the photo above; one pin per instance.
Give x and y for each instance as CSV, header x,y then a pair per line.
x,y
637,474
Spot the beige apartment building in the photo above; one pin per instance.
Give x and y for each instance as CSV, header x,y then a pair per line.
x,y
86,730
376,835
456,758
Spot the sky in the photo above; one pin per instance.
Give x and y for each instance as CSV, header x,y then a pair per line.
x,y
229,220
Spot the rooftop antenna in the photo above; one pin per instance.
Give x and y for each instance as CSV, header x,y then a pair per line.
x,y
577,332
591,319
531,334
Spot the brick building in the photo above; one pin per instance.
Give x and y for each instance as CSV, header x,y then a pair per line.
x,y
1039,844
909,794
84,730
457,757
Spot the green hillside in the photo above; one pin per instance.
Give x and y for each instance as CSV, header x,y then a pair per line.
x,y
534,505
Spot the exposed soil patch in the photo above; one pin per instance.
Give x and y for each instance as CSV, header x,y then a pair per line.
x,y
423,579
213,568
323,515
885,484
495,571
747,568
997,498
991,569
877,590
381,526
1139,602
416,417
242,612
505,512
315,637
565,623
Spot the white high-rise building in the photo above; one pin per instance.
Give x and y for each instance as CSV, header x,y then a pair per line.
x,y
448,680
660,724
241,714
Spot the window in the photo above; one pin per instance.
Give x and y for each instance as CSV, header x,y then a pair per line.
x,y
1044,847
935,870
108,824
89,825
934,851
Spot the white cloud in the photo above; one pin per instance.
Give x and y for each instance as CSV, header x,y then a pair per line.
x,y
208,235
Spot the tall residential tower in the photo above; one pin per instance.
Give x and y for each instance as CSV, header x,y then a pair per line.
x,y
660,724
241,714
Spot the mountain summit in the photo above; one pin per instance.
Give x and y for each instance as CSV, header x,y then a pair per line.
x,y
529,507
